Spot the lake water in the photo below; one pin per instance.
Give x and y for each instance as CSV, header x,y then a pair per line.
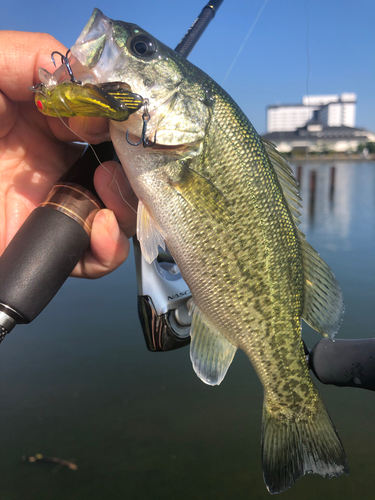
x,y
78,383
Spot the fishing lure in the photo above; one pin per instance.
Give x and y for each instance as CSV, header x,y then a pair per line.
x,y
113,100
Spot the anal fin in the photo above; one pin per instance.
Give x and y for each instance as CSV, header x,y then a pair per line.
x,y
210,352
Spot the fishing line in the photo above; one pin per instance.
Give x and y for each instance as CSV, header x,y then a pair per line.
x,y
96,156
307,76
244,42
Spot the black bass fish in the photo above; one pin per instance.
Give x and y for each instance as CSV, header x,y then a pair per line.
x,y
226,205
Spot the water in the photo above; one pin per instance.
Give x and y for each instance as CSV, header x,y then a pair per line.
x,y
78,383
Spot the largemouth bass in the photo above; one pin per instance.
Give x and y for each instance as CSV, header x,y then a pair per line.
x,y
226,205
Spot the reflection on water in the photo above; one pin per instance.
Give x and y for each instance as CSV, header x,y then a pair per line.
x,y
78,383
339,202
339,221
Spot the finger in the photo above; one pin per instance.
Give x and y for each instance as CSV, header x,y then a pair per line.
x,y
109,248
94,130
80,128
24,53
116,193
8,115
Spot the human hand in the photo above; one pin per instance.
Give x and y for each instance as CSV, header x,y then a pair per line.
x,y
35,150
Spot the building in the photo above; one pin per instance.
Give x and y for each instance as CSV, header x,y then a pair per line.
x,y
329,110
321,124
318,138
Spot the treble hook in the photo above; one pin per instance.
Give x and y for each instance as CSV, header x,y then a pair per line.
x,y
144,140
65,60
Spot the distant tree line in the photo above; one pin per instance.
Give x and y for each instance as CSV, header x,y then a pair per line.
x,y
369,147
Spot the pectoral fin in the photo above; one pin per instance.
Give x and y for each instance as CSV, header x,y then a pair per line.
x,y
148,234
210,352
202,194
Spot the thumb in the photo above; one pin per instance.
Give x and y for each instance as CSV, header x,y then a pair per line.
x,y
109,247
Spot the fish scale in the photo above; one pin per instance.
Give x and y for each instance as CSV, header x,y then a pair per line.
x,y
248,148
234,291
246,278
226,204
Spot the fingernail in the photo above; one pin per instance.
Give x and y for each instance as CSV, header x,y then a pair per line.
x,y
108,220
105,217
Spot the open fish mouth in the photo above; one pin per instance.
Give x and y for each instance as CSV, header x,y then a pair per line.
x,y
85,84
100,74
94,58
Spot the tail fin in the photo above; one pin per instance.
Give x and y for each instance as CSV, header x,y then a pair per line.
x,y
294,447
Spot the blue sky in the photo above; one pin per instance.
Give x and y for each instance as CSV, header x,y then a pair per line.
x,y
273,66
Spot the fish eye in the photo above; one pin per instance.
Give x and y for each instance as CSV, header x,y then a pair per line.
x,y
143,46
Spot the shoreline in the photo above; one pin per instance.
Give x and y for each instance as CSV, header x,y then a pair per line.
x,y
329,158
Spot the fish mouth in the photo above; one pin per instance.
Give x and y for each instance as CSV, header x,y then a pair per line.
x,y
89,82
95,54
84,83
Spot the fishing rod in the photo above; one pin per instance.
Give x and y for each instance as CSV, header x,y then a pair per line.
x,y
52,240
56,234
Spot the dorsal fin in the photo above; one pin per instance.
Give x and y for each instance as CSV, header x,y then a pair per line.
x,y
324,305
323,301
286,178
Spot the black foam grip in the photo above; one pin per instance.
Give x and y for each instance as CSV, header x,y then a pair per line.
x,y
344,362
39,259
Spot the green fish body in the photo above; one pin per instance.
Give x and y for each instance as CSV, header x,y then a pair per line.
x,y
226,205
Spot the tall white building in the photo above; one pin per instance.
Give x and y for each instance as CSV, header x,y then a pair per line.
x,y
329,110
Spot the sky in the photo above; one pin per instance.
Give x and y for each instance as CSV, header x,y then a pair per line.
x,y
296,47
